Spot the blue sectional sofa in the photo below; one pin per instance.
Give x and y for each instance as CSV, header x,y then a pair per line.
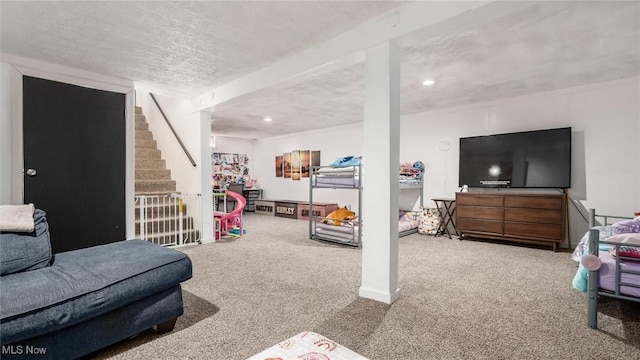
x,y
84,300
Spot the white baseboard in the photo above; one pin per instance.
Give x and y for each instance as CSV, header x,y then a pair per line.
x,y
385,297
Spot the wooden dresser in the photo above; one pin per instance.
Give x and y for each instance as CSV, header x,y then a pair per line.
x,y
531,218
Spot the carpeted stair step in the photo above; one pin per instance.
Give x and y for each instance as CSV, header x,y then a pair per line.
x,y
141,118
166,224
172,237
146,143
160,210
143,134
169,199
142,186
138,109
154,193
148,153
141,125
153,174
150,164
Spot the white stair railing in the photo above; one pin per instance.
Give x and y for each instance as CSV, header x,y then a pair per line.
x,y
172,220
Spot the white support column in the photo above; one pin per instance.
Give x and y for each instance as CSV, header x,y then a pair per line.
x,y
205,173
381,158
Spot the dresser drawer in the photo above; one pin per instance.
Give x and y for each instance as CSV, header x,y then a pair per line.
x,y
540,216
478,225
536,202
479,200
480,212
551,232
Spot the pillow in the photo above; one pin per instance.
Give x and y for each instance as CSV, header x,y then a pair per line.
x,y
583,246
16,218
405,216
429,221
20,251
627,238
625,227
627,251
346,161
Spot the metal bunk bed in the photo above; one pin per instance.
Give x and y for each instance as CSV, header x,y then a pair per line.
x,y
417,184
623,274
348,232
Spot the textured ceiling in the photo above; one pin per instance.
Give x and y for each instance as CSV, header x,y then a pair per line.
x,y
193,47
187,47
544,46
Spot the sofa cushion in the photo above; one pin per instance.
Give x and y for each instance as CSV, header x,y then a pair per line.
x,y
24,251
85,283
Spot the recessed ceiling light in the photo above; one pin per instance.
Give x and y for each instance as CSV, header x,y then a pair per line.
x,y
268,119
428,82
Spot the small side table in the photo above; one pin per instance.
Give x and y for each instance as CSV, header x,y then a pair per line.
x,y
446,207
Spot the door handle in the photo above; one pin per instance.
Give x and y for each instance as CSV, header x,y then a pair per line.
x,y
31,172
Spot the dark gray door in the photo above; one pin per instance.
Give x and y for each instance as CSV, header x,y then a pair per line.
x,y
74,140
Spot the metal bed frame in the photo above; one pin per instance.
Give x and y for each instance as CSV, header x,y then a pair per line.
x,y
354,238
593,290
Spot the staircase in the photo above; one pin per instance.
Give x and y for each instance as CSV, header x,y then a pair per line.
x,y
156,192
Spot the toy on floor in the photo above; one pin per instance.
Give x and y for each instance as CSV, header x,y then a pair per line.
x,y
236,231
231,223
339,215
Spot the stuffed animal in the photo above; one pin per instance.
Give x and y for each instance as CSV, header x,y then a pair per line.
x,y
339,215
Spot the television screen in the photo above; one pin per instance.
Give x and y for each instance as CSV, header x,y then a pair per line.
x,y
531,159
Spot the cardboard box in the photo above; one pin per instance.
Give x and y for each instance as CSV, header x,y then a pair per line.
x,y
287,209
320,210
265,207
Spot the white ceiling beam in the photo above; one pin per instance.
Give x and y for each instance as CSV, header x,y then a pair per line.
x,y
348,48
396,23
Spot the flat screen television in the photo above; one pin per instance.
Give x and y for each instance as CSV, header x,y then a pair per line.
x,y
530,159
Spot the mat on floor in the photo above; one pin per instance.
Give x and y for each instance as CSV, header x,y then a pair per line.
x,y
308,346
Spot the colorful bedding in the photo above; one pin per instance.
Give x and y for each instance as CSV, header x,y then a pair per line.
x,y
336,181
406,225
607,255
408,182
581,248
607,274
347,233
348,171
407,221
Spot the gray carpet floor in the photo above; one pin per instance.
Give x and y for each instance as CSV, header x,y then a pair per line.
x,y
460,300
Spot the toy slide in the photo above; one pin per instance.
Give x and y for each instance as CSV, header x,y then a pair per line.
x,y
231,223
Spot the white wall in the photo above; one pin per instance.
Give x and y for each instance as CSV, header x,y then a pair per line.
x,y
194,129
605,119
332,143
186,122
